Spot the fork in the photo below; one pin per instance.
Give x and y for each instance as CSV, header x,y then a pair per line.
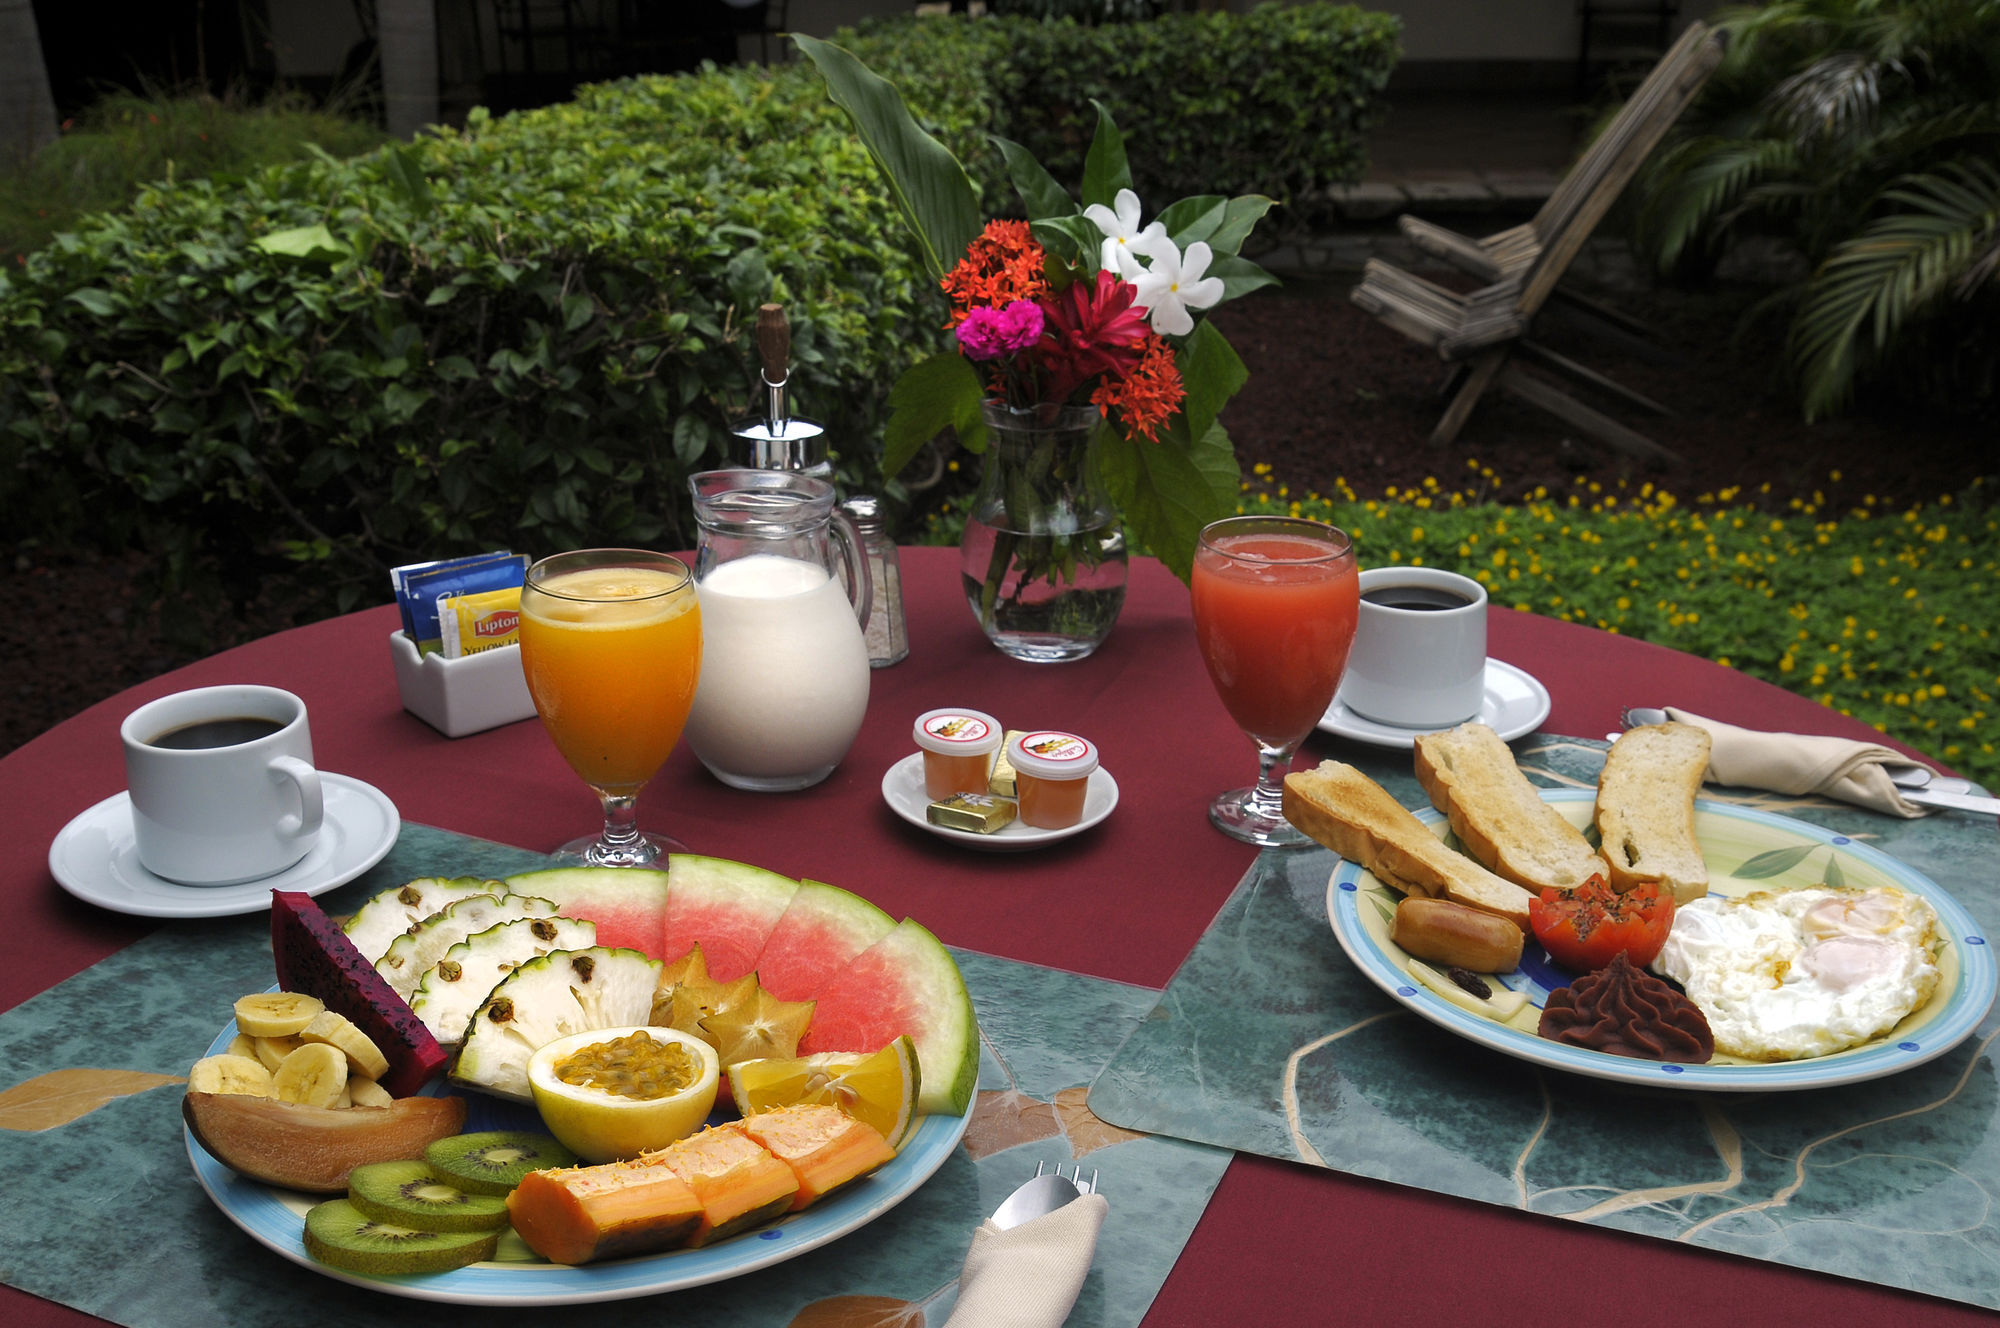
x,y
1044,1192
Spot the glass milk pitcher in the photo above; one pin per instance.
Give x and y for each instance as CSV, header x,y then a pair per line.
x,y
784,666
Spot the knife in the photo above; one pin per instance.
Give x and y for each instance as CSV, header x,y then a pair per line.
x,y
1915,783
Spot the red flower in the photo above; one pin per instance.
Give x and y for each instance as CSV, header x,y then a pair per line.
x,y
1091,331
1146,398
1003,265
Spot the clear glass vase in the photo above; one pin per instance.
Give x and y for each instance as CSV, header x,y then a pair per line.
x,y
1043,559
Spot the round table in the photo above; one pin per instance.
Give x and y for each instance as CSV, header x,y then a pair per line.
x,y
1278,1243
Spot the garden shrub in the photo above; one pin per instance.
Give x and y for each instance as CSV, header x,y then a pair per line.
x,y
530,331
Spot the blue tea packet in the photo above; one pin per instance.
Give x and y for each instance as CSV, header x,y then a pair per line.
x,y
419,586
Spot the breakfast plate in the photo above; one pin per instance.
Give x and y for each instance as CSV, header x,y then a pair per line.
x,y
96,858
903,790
1771,852
1515,704
275,1218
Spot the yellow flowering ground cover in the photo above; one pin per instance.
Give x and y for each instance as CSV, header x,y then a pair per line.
x,y
1886,615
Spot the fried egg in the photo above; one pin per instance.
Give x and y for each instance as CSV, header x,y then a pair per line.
x,y
1790,974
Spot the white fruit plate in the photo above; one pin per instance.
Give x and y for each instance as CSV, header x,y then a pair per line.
x,y
275,1218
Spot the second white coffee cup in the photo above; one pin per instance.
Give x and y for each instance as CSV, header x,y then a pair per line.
x,y
1419,657
222,784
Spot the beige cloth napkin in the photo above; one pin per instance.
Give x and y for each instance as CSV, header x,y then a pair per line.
x,y
1855,772
1029,1276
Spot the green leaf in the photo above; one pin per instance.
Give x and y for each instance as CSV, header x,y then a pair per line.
x,y
409,180
1105,170
942,392
1774,863
1074,239
100,302
1211,372
1040,193
930,187
1240,218
1163,495
1239,276
306,243
1194,219
577,310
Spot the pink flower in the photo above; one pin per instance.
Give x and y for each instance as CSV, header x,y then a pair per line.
x,y
988,333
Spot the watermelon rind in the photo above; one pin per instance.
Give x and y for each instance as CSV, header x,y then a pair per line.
x,y
730,907
628,904
821,931
909,970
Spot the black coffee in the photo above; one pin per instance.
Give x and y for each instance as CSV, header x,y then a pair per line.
x,y
216,733
1428,599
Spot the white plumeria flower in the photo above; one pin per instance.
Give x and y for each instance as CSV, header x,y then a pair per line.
x,y
1123,239
1174,284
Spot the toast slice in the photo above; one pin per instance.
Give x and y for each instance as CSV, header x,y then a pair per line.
x,y
1358,819
1645,808
1499,815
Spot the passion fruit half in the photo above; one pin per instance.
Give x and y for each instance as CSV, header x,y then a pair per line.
x,y
613,1093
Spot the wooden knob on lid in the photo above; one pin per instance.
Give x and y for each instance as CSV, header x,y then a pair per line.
x,y
774,341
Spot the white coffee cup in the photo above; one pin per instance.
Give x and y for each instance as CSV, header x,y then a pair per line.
x,y
1419,657
222,783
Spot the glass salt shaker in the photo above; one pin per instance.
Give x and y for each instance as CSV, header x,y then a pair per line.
x,y
887,633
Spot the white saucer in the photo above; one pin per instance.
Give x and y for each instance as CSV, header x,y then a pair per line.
x,y
96,858
1514,704
903,790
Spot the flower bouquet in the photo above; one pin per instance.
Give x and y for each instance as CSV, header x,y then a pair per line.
x,y
1079,364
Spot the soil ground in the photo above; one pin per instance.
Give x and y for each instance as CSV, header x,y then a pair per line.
x,y
1332,396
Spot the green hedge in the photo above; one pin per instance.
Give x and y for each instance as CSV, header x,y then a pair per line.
x,y
524,333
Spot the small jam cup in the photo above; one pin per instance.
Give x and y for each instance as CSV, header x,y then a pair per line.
x,y
958,749
1051,772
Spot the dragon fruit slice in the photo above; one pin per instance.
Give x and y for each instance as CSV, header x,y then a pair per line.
x,y
315,956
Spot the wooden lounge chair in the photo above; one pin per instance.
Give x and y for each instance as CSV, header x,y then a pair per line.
x,y
1484,331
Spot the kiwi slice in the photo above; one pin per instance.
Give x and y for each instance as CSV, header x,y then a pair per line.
x,y
339,1234
408,1194
493,1161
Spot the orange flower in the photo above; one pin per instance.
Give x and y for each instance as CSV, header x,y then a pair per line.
x,y
1003,265
1146,398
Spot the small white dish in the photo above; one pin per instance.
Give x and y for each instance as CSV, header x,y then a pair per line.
x,y
1515,704
903,790
96,858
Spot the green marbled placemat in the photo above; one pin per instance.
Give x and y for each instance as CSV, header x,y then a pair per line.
x,y
1270,1040
104,1214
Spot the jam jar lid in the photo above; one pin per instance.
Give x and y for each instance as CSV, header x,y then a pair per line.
x,y
956,731
1052,754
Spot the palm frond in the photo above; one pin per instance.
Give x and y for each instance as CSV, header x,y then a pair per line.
x,y
1834,98
1891,274
1708,179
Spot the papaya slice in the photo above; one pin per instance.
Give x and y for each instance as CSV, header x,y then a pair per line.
x,y
736,1179
823,1146
578,1214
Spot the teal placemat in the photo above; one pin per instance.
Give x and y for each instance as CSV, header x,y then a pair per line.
x,y
103,1213
1271,1041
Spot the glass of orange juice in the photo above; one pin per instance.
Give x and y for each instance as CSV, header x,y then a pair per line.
x,y
1276,600
611,644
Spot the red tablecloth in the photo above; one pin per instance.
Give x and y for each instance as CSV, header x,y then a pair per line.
x,y
1128,900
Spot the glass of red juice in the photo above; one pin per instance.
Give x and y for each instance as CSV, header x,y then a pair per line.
x,y
1275,603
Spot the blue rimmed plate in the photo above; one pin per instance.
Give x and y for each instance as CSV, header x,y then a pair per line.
x,y
1787,853
275,1218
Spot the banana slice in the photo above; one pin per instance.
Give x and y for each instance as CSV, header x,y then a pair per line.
x,y
244,1045
273,1050
363,1056
244,1076
276,1013
368,1093
314,1075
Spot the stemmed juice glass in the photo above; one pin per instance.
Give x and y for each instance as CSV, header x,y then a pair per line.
x,y
611,644
1276,600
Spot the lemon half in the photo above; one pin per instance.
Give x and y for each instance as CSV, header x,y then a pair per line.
x,y
877,1088
596,1102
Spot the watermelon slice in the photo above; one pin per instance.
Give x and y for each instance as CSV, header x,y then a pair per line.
x,y
628,904
906,983
730,907
822,930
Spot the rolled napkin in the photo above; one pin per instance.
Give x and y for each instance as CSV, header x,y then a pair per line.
x,y
1856,772
1029,1276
